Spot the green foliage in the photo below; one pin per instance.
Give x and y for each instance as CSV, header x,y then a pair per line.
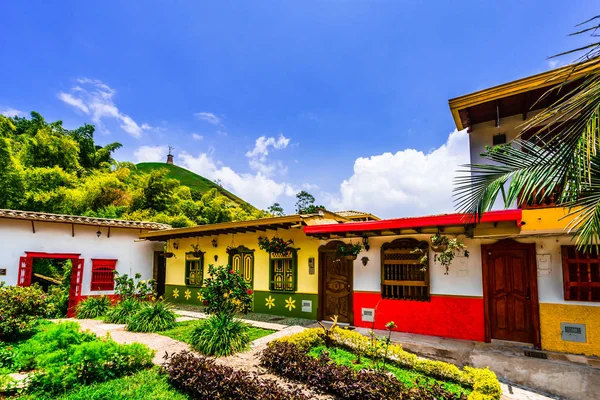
x,y
351,249
220,335
11,179
275,210
183,331
225,292
93,307
20,309
275,244
152,317
126,287
305,203
123,311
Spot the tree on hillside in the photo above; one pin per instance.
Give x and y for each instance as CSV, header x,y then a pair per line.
x,y
275,210
90,154
305,203
563,158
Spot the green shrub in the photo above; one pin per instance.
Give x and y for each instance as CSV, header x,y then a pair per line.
x,y
93,307
226,292
127,288
7,355
157,316
86,363
20,310
123,311
220,335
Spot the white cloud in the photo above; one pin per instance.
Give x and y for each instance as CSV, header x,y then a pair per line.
x,y
197,136
221,133
406,183
258,155
258,189
151,153
208,117
11,112
95,98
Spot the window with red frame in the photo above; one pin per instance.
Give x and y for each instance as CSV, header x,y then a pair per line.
x,y
581,274
103,277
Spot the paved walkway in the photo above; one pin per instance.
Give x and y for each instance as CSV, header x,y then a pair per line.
x,y
257,324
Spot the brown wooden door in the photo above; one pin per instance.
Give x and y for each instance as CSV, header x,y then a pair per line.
x,y
509,289
337,288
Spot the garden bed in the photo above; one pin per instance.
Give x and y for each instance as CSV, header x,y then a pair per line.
x,y
183,331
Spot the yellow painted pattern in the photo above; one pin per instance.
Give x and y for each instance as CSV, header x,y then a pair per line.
x,y
551,315
307,283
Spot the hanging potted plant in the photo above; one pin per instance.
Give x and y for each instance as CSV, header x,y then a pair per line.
x,y
196,251
275,245
349,251
446,249
231,250
167,253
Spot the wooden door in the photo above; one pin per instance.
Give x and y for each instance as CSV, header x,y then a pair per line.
x,y
511,293
243,264
336,288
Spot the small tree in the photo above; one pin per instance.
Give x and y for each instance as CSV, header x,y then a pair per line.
x,y
225,292
276,210
305,203
126,287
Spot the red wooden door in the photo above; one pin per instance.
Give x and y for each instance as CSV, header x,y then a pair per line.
x,y
25,271
75,288
337,288
509,293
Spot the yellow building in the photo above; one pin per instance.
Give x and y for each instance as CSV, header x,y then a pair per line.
x,y
568,280
283,284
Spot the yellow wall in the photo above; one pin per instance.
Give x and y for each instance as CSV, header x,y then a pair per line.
x,y
551,315
546,219
307,283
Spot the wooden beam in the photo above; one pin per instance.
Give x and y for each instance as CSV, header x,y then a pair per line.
x,y
497,123
108,235
72,230
32,226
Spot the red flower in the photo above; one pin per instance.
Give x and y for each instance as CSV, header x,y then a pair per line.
x,y
205,302
249,291
231,271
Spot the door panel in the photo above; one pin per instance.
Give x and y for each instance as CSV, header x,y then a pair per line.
x,y
337,288
25,271
509,288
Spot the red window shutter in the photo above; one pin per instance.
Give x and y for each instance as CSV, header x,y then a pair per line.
x,y
103,277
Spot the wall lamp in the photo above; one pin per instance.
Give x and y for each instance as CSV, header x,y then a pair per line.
x,y
175,245
216,257
98,233
365,260
365,241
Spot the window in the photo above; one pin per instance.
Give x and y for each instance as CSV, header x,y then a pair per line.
x,y
581,274
403,276
243,263
103,274
194,270
283,271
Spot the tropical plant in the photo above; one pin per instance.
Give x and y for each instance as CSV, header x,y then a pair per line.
x,y
275,245
349,250
445,250
154,316
92,307
20,310
225,292
220,335
123,311
126,287
562,158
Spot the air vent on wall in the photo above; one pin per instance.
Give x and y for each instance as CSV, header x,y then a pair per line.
x,y
536,354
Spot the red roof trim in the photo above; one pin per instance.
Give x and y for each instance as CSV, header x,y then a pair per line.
x,y
416,222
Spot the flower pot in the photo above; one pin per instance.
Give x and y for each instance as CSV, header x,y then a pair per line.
x,y
439,248
168,254
197,254
348,257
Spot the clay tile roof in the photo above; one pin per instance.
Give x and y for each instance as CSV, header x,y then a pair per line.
x,y
76,219
352,214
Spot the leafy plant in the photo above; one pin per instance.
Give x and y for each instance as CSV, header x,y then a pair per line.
x,y
201,378
225,292
59,294
220,335
126,287
152,317
20,309
123,311
92,307
275,245
196,251
446,249
349,250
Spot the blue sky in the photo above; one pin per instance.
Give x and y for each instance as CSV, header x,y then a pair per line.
x,y
347,99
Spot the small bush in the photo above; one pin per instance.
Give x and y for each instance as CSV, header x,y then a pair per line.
x,y
152,317
7,356
20,309
289,361
123,311
226,292
126,287
202,378
93,307
220,335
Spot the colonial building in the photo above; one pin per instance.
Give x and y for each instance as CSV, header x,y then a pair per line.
x,y
95,246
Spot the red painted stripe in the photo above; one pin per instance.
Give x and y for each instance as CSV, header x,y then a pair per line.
x,y
416,222
452,317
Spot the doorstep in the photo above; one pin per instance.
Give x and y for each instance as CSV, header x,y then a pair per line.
x,y
566,375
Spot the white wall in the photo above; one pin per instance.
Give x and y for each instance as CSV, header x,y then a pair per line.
x,y
16,237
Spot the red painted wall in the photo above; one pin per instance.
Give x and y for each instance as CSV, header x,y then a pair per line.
x,y
446,316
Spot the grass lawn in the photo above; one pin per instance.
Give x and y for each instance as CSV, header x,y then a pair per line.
x,y
143,385
183,330
252,316
408,377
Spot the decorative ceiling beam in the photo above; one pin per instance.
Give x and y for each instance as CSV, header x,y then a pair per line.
x,y
497,124
32,226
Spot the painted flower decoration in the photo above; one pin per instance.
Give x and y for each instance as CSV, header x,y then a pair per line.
x,y
187,294
176,293
290,303
270,302
199,296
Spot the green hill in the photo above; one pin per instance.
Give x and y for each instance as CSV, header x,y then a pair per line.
x,y
188,178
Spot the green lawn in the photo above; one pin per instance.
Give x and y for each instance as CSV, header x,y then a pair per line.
x,y
409,377
184,329
143,385
252,316
188,178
